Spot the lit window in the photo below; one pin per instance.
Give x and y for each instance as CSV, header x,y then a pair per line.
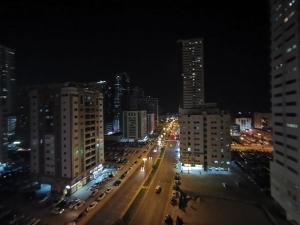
x,y
292,125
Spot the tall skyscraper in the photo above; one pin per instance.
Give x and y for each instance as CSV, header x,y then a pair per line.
x,y
7,96
285,89
66,131
204,129
122,90
192,72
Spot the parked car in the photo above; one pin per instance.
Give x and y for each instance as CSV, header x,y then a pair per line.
x,y
117,183
101,197
57,211
91,206
108,190
79,205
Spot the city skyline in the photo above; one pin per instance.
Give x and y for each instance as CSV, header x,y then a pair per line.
x,y
115,114
93,47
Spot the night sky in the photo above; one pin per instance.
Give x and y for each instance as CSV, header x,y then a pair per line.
x,y
93,41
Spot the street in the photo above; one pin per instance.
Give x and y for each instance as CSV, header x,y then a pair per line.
x,y
116,204
151,210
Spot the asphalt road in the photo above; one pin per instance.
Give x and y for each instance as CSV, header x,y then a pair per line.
x,y
115,206
151,209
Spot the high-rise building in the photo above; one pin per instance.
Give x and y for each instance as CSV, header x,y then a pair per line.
x,y
285,90
151,105
106,90
134,125
204,129
192,72
7,97
121,93
66,132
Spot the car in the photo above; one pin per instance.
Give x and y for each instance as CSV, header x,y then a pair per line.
x,y
177,182
158,189
91,206
57,201
57,211
225,185
95,192
168,219
117,183
108,190
82,214
72,205
173,201
79,205
71,223
177,177
34,221
174,194
101,196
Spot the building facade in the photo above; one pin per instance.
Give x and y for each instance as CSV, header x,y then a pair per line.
x,y
150,123
192,72
262,120
205,137
245,123
7,98
285,90
204,129
66,132
106,90
121,93
134,125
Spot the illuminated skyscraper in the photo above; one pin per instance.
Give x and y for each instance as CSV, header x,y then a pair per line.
x,y
122,89
192,72
285,89
7,96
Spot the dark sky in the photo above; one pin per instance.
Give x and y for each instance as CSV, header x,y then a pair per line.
x,y
92,41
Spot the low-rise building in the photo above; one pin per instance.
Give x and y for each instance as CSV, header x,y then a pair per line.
x,y
244,123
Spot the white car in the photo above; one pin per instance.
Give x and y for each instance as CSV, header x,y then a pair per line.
x,y
57,211
91,206
108,190
101,197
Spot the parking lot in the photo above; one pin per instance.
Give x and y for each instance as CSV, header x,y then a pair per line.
x,y
29,203
223,197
